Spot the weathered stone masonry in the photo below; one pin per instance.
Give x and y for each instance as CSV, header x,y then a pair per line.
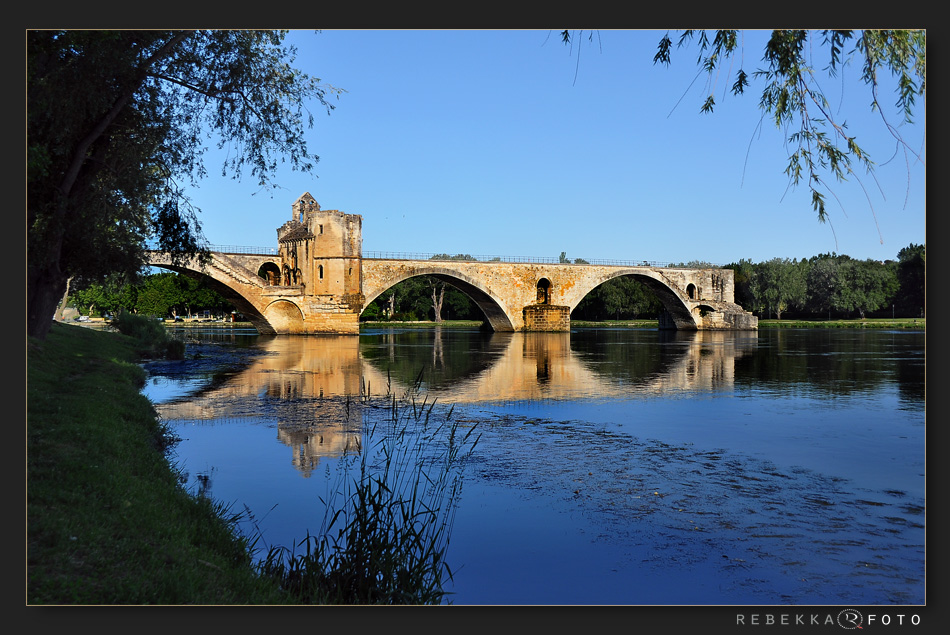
x,y
320,283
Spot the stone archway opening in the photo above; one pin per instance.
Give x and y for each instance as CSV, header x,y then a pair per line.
x,y
691,291
544,291
241,304
495,318
284,316
270,272
668,305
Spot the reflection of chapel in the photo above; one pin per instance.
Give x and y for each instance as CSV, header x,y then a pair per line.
x,y
320,250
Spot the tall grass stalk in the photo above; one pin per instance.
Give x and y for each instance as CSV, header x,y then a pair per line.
x,y
389,517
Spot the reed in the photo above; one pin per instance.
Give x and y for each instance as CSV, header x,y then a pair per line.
x,y
389,516
109,521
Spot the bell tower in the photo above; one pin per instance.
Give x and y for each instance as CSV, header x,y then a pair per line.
x,y
321,250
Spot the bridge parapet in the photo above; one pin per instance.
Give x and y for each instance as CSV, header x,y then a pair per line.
x,y
319,281
543,260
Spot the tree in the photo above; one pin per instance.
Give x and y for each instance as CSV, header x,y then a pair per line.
x,y
93,297
821,145
458,306
116,126
564,260
911,277
780,284
111,295
825,283
437,298
744,271
793,97
868,286
420,295
618,298
160,295
465,257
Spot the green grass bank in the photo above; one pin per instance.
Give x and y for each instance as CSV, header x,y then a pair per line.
x,y
874,323
108,521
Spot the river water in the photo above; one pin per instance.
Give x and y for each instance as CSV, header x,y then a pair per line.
x,y
613,466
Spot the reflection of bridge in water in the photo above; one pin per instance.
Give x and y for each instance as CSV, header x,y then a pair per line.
x,y
544,366
312,386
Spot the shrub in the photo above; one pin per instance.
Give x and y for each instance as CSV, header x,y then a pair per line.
x,y
150,336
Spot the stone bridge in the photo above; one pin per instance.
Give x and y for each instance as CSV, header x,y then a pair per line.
x,y
318,281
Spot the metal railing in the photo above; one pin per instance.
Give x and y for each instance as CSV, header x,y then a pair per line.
x,y
390,255
253,251
394,255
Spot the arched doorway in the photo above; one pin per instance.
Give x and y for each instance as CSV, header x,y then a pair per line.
x,y
270,272
544,291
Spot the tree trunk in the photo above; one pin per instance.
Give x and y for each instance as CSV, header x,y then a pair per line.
x,y
45,286
437,301
46,281
62,303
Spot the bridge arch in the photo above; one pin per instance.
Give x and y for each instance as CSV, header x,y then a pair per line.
x,y
225,288
282,314
676,303
491,306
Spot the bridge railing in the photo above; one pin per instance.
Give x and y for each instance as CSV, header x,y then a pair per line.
x,y
389,255
254,251
394,255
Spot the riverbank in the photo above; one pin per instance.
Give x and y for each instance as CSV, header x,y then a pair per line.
x,y
872,323
107,519
421,324
875,323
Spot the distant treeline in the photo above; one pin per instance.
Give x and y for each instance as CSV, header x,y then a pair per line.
x,y
822,287
827,286
834,286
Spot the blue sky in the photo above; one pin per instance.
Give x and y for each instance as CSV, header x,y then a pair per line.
x,y
505,142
